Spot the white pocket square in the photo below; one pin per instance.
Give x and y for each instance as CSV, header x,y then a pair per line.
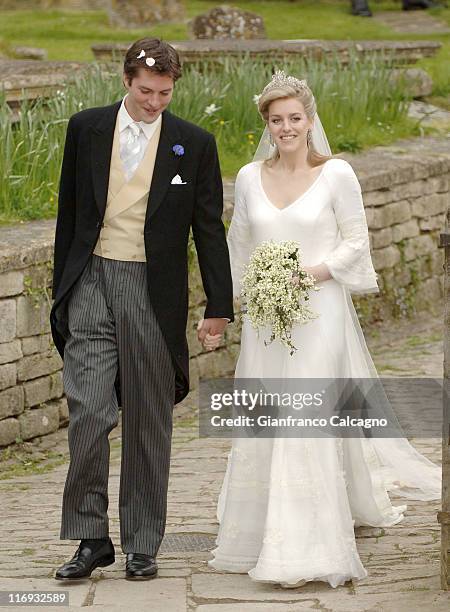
x,y
177,180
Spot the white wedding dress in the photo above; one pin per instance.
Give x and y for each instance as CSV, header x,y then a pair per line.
x,y
288,506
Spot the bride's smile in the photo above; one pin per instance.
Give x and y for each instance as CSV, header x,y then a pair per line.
x,y
288,124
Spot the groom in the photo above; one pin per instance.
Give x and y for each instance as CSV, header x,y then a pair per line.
x,y
134,180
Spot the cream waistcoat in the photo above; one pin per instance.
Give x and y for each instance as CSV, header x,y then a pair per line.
x,y
122,233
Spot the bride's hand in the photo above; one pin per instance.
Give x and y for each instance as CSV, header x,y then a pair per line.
x,y
210,341
320,272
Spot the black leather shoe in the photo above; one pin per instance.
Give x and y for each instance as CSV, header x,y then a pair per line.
x,y
89,555
140,567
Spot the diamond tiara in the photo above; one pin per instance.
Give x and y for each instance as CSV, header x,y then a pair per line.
x,y
280,78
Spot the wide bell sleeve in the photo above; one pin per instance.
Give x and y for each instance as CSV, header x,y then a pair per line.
x,y
350,262
238,237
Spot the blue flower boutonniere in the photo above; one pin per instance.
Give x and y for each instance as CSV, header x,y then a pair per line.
x,y
178,149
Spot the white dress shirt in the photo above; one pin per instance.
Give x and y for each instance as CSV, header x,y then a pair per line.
x,y
146,132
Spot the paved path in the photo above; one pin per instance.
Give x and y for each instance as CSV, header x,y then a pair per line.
x,y
402,561
412,22
429,114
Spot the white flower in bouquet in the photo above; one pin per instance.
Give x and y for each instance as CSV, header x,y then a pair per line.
x,y
276,290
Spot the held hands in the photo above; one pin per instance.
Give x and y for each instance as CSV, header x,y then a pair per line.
x,y
209,332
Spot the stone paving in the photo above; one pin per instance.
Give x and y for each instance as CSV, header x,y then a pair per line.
x,y
412,22
429,114
402,561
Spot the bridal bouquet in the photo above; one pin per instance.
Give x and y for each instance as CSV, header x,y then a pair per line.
x,y
276,290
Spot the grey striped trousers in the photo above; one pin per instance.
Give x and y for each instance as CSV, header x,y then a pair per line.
x,y
112,325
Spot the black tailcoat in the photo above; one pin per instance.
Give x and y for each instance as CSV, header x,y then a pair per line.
x,y
171,211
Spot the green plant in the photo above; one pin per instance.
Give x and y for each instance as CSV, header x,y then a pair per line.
x,y
357,104
16,461
369,309
402,299
39,291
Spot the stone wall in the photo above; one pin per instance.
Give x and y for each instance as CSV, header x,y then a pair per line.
x,y
444,515
406,194
399,53
31,390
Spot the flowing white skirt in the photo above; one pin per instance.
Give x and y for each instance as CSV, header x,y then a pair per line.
x,y
288,506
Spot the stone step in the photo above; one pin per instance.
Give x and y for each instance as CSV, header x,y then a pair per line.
x,y
32,80
191,51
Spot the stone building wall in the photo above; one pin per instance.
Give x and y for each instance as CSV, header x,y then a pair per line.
x,y
406,194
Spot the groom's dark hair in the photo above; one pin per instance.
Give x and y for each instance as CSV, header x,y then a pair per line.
x,y
166,58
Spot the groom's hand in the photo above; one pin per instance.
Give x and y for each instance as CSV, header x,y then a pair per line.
x,y
210,331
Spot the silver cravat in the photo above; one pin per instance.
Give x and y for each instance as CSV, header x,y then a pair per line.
x,y
132,153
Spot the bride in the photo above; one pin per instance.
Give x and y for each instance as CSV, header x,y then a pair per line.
x,y
288,506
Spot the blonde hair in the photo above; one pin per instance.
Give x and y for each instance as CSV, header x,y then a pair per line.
x,y
304,95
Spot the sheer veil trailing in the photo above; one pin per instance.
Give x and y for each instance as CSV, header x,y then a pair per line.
x,y
406,471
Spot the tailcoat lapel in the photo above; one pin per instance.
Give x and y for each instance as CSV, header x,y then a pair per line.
x,y
166,163
102,137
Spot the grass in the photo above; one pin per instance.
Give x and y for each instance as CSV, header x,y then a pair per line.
x,y
388,367
357,111
439,67
54,29
359,107
414,341
327,19
70,34
187,422
14,462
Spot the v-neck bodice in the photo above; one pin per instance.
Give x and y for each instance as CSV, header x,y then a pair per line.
x,y
298,199
327,221
299,221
